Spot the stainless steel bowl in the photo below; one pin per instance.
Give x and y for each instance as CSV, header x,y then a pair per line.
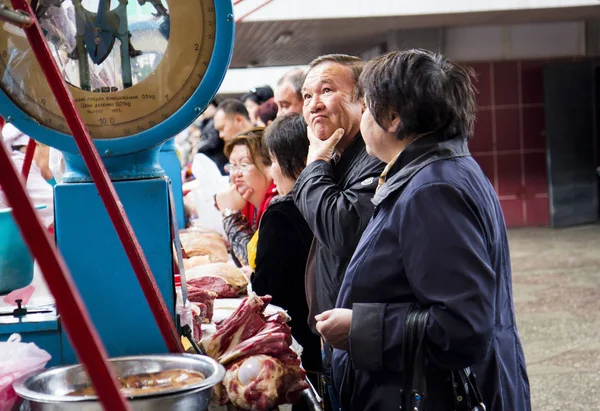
x,y
48,390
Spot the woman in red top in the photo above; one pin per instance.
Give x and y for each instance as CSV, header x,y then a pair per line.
x,y
248,167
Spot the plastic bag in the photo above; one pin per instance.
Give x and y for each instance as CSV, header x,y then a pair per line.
x,y
210,182
207,173
16,360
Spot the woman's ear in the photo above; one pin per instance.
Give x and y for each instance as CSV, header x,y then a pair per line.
x,y
394,123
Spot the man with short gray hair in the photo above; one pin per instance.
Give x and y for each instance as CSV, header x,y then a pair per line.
x,y
288,94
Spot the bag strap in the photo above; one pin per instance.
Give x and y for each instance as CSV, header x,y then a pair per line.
x,y
415,327
466,395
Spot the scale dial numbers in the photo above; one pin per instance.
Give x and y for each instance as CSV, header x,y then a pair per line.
x,y
113,112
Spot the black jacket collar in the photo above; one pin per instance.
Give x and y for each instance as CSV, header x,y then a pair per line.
x,y
355,147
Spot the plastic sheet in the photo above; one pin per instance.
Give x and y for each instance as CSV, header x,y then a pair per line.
x,y
16,360
210,183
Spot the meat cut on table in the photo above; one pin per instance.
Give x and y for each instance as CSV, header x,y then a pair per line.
x,y
224,279
262,369
196,261
204,300
199,243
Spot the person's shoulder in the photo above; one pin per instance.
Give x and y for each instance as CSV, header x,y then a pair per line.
x,y
283,215
286,208
460,173
282,205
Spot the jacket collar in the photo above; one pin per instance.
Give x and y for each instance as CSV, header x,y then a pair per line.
x,y
414,157
355,146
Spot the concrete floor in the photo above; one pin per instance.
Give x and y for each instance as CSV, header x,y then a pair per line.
x,y
556,277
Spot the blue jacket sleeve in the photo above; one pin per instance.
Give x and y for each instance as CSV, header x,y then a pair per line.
x,y
336,216
445,253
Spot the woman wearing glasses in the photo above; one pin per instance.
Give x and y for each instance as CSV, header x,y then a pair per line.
x,y
249,169
275,253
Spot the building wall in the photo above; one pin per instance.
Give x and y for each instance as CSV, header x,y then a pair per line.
x,y
239,81
319,9
519,41
509,142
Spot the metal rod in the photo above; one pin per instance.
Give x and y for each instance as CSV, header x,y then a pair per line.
x,y
18,18
260,6
106,189
28,158
74,315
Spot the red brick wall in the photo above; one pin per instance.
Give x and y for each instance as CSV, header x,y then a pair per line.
x,y
509,141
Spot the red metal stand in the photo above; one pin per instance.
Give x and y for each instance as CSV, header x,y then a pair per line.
x,y
74,316
101,179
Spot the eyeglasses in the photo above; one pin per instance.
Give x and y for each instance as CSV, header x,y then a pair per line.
x,y
242,168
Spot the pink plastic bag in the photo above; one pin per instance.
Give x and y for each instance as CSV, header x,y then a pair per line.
x,y
16,360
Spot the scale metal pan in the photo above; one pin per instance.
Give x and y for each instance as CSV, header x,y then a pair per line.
x,y
140,71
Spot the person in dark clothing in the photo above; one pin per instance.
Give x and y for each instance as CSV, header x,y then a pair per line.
x,y
254,98
334,191
284,238
437,239
211,144
266,113
231,118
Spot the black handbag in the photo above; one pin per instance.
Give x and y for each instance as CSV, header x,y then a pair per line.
x,y
463,385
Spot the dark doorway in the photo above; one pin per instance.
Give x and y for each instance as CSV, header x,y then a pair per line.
x,y
571,138
597,125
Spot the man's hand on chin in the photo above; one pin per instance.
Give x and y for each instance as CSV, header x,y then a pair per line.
x,y
322,150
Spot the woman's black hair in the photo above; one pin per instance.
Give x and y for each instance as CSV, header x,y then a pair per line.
x,y
287,141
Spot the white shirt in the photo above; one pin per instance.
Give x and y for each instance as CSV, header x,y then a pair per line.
x,y
39,190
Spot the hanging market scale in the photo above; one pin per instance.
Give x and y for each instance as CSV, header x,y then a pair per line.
x,y
139,73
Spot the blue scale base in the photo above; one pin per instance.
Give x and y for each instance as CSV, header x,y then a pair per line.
x,y
101,270
169,161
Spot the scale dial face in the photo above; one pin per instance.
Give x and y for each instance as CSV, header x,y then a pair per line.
x,y
130,64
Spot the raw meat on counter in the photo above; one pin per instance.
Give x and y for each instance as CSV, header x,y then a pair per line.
x,y
204,300
224,279
261,383
262,369
203,243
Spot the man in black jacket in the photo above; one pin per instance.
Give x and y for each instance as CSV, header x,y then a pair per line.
x,y
210,143
334,191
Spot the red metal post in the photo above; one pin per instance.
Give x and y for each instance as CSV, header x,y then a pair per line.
x,y
28,159
101,179
73,313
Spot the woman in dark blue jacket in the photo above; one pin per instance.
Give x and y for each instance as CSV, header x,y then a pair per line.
x,y
437,239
